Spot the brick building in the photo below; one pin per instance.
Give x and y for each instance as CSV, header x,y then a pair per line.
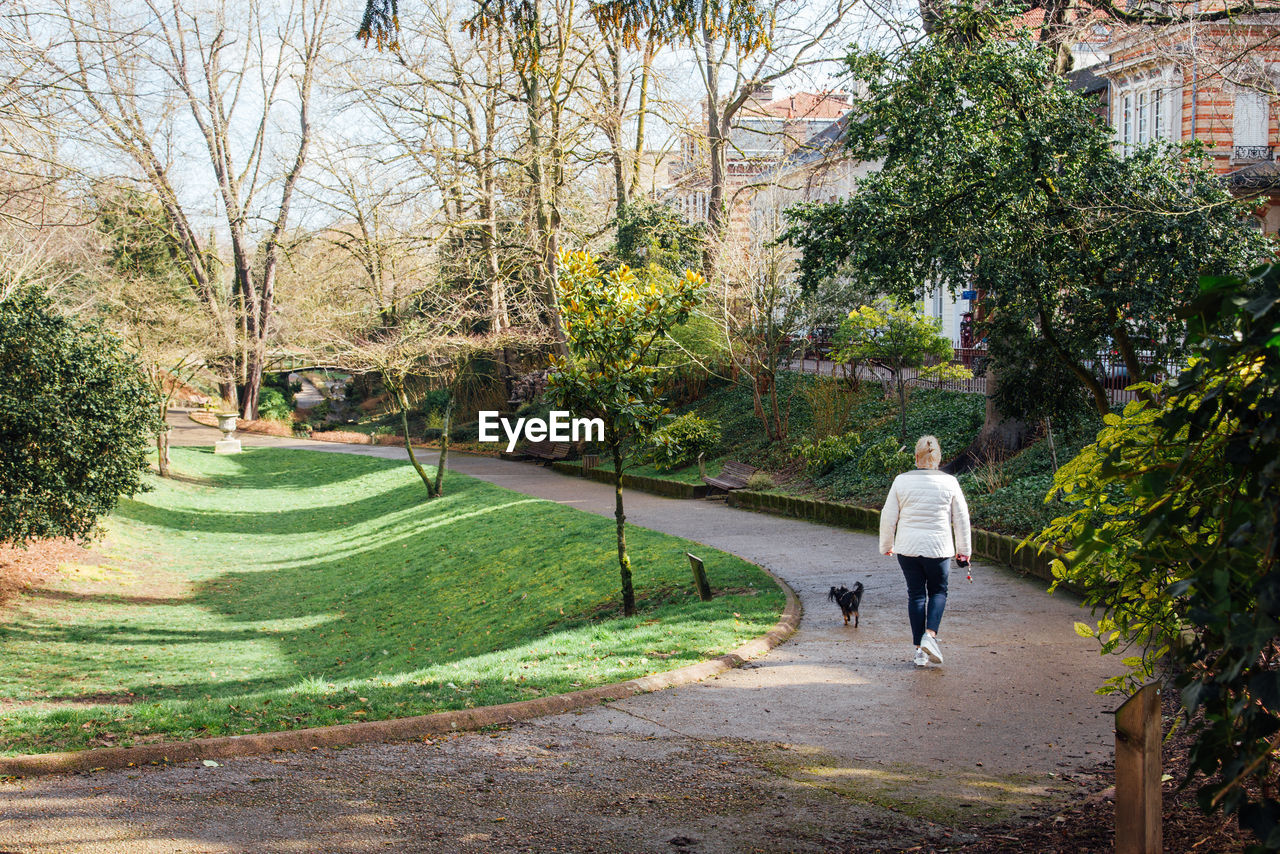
x,y
766,131
1211,82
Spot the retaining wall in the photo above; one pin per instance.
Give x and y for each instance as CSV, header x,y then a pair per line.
x,y
997,548
656,485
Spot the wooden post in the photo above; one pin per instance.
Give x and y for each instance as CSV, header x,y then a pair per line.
x,y
1139,816
700,578
702,465
590,461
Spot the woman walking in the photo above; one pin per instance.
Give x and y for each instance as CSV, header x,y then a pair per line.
x,y
925,522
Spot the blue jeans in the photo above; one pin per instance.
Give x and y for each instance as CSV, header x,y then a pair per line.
x,y
926,592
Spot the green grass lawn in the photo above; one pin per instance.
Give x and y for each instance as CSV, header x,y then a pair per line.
x,y
285,589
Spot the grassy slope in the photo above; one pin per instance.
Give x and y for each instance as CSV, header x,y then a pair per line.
x,y
285,589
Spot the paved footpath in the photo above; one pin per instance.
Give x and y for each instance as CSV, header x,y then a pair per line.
x,y
833,741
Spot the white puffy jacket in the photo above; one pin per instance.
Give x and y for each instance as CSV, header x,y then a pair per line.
x,y
925,515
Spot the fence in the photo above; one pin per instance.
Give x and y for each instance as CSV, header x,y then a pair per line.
x,y
1110,369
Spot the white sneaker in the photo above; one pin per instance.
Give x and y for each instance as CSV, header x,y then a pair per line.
x,y
930,647
921,659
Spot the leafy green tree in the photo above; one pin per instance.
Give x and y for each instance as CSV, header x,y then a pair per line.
x,y
76,413
997,177
616,322
1175,537
895,339
656,233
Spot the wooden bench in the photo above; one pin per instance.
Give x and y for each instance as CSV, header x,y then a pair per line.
x,y
733,475
548,452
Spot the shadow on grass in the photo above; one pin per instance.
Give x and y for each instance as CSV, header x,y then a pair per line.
x,y
482,596
301,520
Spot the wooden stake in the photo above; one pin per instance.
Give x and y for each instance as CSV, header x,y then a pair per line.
x,y
1139,816
700,578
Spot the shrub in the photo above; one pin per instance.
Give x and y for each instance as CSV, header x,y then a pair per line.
x,y
761,481
280,383
465,432
824,455
434,402
75,416
831,400
991,475
679,442
884,460
319,413
272,405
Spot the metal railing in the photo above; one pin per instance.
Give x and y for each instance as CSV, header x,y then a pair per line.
x,y
1252,153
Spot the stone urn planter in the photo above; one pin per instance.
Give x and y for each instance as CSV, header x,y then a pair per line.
x,y
228,444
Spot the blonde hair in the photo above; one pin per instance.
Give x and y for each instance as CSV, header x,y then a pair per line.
x,y
928,452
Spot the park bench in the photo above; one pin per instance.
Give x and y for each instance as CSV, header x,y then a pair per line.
x,y
733,475
548,452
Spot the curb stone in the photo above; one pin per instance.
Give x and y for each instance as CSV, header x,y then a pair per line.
x,y
401,729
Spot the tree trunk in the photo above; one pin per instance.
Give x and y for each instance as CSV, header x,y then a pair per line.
x,y
641,111
902,405
162,451
402,403
444,446
716,146
1000,437
227,390
614,48
624,562
529,56
252,387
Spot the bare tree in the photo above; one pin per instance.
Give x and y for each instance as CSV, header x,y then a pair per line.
x,y
443,106
142,84
736,61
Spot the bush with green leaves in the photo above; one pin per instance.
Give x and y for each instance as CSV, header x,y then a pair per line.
x,y
822,456
657,233
272,405
678,443
280,382
76,413
1173,536
761,481
885,460
434,402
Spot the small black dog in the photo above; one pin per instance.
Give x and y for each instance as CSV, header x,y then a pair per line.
x,y
848,600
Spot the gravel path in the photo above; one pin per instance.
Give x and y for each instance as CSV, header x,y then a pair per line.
x,y
834,741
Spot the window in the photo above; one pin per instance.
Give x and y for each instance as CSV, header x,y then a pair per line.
x,y
1144,115
1250,121
1126,122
